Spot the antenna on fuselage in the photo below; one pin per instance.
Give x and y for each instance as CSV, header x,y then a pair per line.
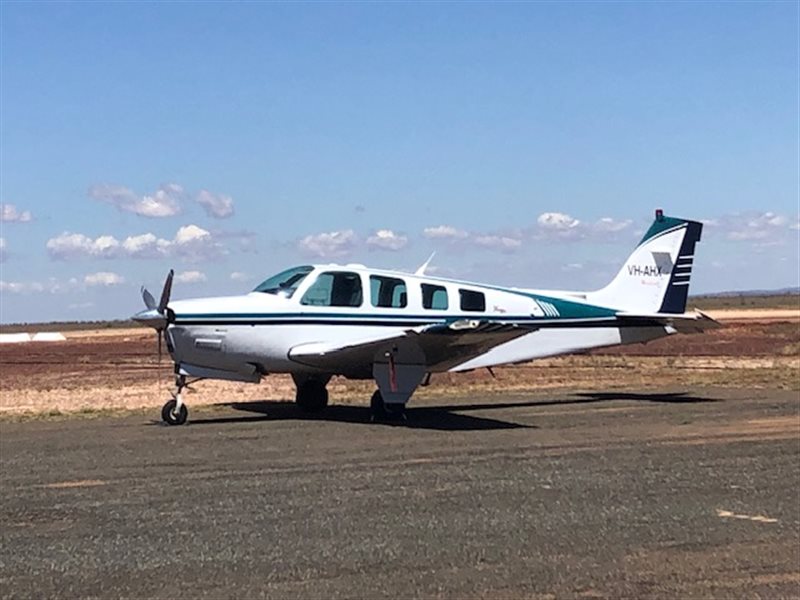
x,y
421,270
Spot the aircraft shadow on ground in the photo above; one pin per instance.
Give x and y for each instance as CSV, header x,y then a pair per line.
x,y
437,418
448,417
588,398
658,397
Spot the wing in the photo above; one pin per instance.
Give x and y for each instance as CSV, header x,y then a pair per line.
x,y
438,347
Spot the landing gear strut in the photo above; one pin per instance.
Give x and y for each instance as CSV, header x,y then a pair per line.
x,y
174,411
382,411
312,395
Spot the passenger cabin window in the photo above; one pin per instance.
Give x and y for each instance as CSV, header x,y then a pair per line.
x,y
335,289
284,283
434,297
472,301
388,292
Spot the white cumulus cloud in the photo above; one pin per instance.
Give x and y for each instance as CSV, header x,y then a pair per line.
x,y
20,287
755,226
190,242
498,242
72,245
191,277
328,245
10,214
51,286
556,220
218,206
557,226
445,232
3,249
386,239
505,241
146,245
190,234
609,225
103,278
164,202
239,276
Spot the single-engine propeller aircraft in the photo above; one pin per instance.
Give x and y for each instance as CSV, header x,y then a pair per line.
x,y
397,328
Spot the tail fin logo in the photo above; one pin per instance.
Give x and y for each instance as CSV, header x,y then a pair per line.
x,y
663,266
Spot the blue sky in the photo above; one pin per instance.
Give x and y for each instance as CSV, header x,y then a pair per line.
x,y
526,143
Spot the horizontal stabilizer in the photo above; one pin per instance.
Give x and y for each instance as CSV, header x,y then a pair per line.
x,y
690,322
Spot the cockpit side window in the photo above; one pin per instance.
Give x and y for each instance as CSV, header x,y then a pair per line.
x,y
388,292
284,283
434,297
335,288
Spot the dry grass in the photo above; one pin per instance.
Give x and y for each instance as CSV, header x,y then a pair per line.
x,y
745,301
574,372
755,314
110,370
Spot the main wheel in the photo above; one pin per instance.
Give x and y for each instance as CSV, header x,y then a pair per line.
x,y
381,411
312,396
170,417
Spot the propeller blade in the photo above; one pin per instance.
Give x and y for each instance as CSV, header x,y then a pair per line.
x,y
149,301
162,306
159,333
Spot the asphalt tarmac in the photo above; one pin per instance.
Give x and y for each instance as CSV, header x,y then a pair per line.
x,y
690,493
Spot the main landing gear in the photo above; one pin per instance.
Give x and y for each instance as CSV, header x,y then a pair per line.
x,y
383,411
312,395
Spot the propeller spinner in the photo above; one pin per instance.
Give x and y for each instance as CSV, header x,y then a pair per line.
x,y
156,314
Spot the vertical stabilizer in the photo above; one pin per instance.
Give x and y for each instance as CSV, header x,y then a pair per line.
x,y
655,278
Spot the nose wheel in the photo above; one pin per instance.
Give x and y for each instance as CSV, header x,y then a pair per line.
x,y
174,412
171,414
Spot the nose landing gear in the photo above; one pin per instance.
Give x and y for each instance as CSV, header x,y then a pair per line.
x,y
174,412
172,415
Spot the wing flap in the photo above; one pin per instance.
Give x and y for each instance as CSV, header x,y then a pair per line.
x,y
450,344
439,346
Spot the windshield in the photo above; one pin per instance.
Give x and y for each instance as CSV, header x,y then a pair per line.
x,y
284,283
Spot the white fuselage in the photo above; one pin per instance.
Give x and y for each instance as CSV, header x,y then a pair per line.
x,y
256,332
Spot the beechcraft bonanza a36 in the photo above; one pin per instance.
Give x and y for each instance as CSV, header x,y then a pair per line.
x,y
315,322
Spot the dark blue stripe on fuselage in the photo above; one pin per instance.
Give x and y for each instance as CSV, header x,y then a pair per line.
x,y
396,321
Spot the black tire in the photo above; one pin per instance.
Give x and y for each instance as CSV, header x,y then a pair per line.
x,y
386,412
170,417
312,396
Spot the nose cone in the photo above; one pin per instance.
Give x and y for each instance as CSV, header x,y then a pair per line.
x,y
151,318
